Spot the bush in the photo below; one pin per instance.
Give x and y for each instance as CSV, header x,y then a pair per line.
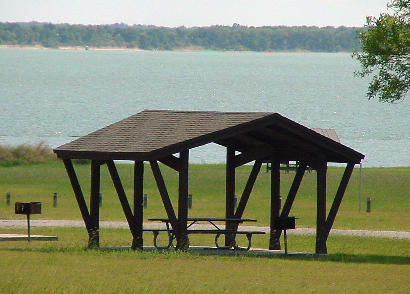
x,y
26,154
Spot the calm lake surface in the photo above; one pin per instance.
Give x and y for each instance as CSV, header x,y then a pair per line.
x,y
56,95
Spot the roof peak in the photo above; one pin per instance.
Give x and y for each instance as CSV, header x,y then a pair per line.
x,y
208,111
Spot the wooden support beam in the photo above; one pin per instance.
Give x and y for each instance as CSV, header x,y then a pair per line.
x,y
230,192
309,137
293,189
94,236
289,140
164,194
122,197
249,139
138,241
239,145
182,235
313,163
171,161
321,208
338,198
248,189
287,145
292,193
274,242
253,154
78,193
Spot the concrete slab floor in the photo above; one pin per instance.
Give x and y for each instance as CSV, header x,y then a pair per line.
x,y
24,237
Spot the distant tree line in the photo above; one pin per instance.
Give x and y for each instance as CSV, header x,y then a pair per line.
x,y
236,37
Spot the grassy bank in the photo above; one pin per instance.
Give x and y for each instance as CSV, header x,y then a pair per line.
x,y
26,154
388,188
360,265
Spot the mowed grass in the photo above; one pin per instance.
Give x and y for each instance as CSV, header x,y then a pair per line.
x,y
389,189
359,265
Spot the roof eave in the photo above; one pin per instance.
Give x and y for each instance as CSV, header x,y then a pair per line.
x,y
95,155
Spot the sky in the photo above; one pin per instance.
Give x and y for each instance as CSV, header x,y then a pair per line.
x,y
189,13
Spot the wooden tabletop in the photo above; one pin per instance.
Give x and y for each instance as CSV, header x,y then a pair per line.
x,y
208,219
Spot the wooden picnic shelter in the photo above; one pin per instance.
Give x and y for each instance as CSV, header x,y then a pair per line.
x,y
165,136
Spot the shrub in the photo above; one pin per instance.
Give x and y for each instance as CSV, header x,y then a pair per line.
x,y
26,154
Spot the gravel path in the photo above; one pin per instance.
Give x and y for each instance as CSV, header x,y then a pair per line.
x,y
153,225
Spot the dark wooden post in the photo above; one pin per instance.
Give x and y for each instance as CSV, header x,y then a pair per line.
x,y
338,198
137,242
274,242
248,189
292,193
230,192
123,199
182,236
164,194
78,193
93,235
321,208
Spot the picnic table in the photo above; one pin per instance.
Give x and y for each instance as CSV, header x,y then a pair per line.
x,y
216,229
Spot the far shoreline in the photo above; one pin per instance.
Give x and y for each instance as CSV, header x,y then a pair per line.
x,y
83,48
126,49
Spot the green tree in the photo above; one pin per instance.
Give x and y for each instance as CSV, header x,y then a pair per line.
x,y
385,54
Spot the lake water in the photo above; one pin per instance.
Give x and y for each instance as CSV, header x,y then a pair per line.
x,y
55,95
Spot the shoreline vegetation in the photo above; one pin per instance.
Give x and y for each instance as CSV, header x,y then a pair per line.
x,y
125,49
122,37
40,47
26,154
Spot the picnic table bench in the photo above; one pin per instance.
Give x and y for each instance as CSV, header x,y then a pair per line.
x,y
216,229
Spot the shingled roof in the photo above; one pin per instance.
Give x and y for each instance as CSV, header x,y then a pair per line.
x,y
330,133
152,134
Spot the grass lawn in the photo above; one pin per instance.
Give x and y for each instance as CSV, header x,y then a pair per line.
x,y
359,265
388,188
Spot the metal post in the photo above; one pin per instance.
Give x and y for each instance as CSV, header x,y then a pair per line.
x,y
368,204
99,199
285,238
280,202
360,188
145,200
55,196
28,227
8,197
189,200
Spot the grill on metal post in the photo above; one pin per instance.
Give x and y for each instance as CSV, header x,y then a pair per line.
x,y
285,223
27,208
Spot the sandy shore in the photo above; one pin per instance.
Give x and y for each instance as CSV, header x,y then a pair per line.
x,y
39,47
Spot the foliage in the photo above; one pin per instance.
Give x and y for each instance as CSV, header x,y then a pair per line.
x,y
236,37
25,154
385,53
